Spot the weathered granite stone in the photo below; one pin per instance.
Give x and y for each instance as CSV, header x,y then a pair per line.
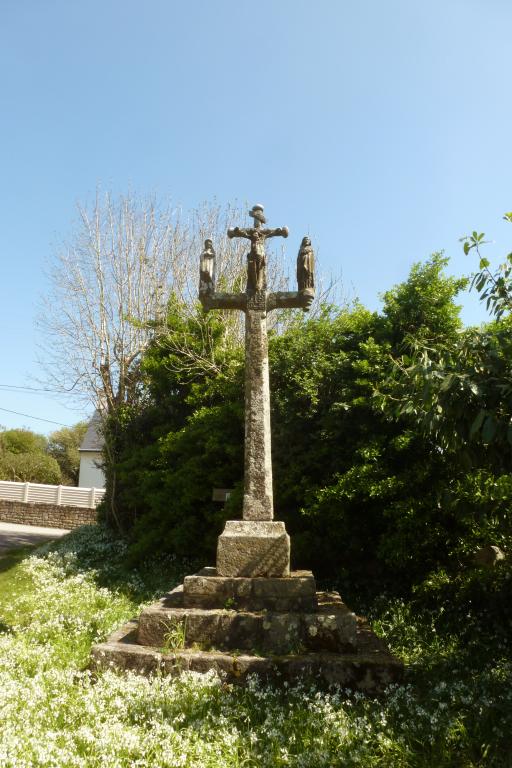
x,y
207,269
256,303
370,669
332,627
258,496
174,599
208,590
253,548
488,557
306,267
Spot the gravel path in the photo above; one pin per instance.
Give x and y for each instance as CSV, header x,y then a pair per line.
x,y
14,536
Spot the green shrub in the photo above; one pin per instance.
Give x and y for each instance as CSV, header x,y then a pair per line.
x,y
365,496
29,468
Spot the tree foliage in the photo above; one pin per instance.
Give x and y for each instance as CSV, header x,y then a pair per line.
x,y
22,441
423,307
362,494
459,388
184,440
63,445
24,458
494,287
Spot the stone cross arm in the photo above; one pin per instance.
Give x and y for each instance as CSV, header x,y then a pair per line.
x,y
278,300
290,300
218,300
248,233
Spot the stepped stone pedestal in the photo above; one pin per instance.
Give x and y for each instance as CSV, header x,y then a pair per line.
x,y
242,614
278,627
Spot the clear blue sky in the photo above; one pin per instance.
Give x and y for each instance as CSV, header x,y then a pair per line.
x,y
383,128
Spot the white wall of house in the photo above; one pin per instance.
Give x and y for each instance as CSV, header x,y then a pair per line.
x,y
90,474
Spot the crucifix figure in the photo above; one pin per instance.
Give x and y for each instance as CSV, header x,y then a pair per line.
x,y
256,303
257,259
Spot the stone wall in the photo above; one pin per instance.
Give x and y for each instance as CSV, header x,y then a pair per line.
x,y
48,515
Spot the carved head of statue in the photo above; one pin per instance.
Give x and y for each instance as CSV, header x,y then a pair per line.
x,y
208,245
305,242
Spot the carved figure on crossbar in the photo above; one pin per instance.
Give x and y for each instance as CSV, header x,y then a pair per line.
x,y
256,259
256,303
306,266
207,269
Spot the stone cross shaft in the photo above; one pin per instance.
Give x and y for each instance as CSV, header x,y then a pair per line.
x,y
256,302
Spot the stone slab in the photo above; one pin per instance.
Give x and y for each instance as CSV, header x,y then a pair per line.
x,y
253,548
332,627
370,669
206,589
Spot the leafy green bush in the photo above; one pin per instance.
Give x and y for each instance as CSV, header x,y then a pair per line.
x,y
475,603
63,445
29,468
24,458
22,441
364,495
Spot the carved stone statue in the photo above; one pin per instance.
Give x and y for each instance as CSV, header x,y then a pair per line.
x,y
207,269
306,266
256,258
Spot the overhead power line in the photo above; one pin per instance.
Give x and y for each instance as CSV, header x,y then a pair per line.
x,y
36,393
28,389
39,418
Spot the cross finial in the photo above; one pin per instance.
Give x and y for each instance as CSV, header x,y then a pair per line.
x,y
256,213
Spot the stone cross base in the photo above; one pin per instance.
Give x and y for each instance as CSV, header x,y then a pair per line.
x,y
207,589
328,625
253,548
281,629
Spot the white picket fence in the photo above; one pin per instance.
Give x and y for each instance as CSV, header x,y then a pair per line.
x,y
51,494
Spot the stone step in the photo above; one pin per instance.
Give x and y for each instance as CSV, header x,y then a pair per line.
x,y
370,669
207,589
332,627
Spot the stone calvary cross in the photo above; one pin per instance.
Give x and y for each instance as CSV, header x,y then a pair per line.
x,y
256,545
251,600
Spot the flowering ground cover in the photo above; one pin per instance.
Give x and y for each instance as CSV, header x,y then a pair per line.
x,y
454,709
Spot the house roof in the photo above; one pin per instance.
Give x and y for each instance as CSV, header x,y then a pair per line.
x,y
93,440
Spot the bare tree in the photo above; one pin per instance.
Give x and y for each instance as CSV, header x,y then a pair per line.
x,y
110,286
109,289
116,268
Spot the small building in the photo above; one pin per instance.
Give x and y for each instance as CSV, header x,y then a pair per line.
x,y
91,456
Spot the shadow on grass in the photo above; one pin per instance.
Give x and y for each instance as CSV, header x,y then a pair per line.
x,y
14,556
98,552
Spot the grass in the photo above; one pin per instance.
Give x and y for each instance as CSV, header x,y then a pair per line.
x,y
455,708
9,560
174,637
11,587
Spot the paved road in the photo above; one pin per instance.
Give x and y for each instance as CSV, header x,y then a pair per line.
x,y
14,536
